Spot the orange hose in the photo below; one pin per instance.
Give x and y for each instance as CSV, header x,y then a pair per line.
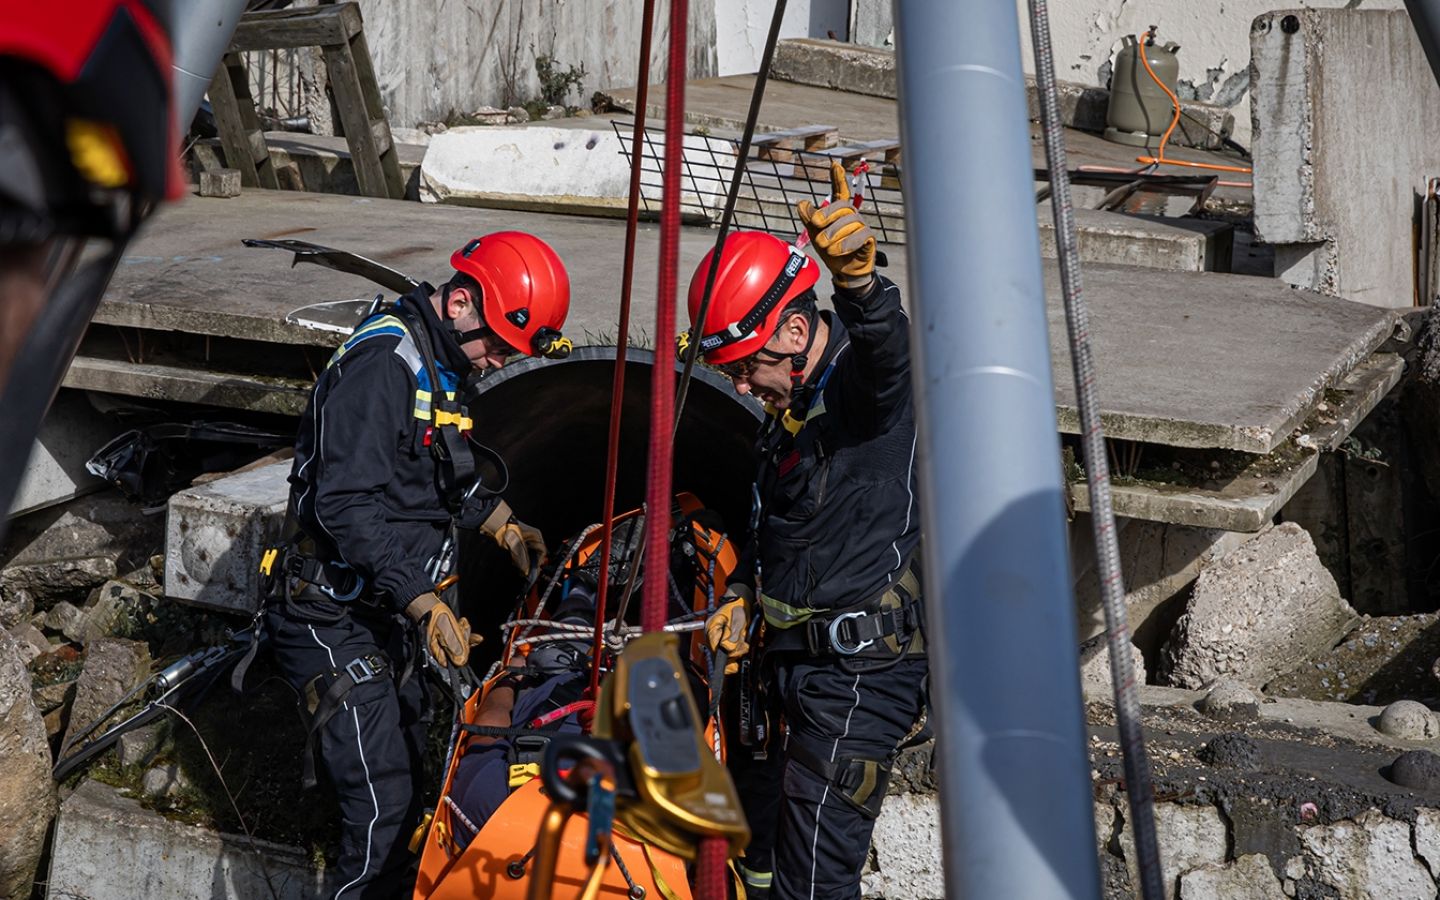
x,y
1159,159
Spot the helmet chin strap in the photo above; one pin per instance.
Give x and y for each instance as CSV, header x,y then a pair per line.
x,y
461,337
798,361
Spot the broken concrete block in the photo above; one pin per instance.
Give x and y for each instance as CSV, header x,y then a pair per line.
x,y
906,849
16,606
107,604
216,533
163,781
55,472
27,795
1095,666
138,746
1256,611
112,667
1231,701
51,580
53,696
109,846
1409,721
29,634
220,183
1427,838
1370,856
65,618
1189,836
1250,877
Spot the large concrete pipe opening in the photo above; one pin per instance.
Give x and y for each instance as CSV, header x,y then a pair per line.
x,y
549,419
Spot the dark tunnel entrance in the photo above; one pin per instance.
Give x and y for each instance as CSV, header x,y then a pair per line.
x,y
548,419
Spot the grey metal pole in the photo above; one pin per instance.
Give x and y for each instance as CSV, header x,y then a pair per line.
x,y
1016,808
200,32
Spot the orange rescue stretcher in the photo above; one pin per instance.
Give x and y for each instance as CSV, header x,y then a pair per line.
x,y
501,859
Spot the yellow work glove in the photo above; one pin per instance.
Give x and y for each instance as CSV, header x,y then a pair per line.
x,y
447,636
727,628
525,544
843,240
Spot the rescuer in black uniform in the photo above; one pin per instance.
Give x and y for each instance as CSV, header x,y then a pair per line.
x,y
383,471
840,651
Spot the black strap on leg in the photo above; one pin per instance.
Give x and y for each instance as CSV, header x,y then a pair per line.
x,y
322,708
858,781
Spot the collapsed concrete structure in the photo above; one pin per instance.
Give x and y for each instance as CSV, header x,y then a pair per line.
x,y
1228,397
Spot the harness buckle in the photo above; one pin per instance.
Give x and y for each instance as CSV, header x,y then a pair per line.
x,y
838,644
361,670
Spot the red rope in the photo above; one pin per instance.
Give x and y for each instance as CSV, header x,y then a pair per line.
x,y
710,869
662,375
622,340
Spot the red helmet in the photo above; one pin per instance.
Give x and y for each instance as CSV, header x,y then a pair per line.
x,y
757,276
85,116
524,290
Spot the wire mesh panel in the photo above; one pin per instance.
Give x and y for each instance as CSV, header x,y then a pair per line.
x,y
782,169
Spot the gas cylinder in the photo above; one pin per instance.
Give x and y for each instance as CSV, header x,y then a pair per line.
x,y
1139,110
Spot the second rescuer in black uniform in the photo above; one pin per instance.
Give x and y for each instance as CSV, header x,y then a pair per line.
x,y
840,649
382,469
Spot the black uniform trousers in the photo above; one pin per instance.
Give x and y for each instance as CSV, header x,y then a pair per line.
x,y
813,841
371,747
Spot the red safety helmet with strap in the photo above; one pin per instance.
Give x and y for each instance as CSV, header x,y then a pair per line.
x,y
524,291
757,276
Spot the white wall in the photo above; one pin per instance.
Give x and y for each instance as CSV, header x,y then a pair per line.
x,y
1214,39
741,26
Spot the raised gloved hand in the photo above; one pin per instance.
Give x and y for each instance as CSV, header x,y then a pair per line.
x,y
525,544
447,636
843,240
728,627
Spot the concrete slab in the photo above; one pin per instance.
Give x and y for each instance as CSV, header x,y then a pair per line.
x,y
871,70
107,847
1346,110
317,162
55,472
215,534
1187,359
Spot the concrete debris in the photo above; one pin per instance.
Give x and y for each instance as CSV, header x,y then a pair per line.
x,y
906,850
108,846
16,606
112,667
1427,838
1370,856
53,696
163,781
1231,701
27,795
1095,666
1189,836
27,633
216,532
65,618
138,746
49,581
1416,769
1248,878
1409,721
96,527
107,604
1231,751
1273,591
224,183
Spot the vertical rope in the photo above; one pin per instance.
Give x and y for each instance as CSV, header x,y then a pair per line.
x,y
1102,515
622,340
662,376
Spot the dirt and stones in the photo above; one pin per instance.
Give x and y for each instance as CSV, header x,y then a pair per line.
x,y
1384,659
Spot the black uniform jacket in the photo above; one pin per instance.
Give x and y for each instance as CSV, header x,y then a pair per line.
x,y
839,518
365,487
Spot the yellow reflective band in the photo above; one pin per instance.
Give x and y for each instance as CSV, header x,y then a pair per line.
x,y
753,878
267,562
783,615
521,773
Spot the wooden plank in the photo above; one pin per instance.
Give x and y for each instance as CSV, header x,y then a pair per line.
x,y
789,134
287,28
375,111
229,122
350,99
